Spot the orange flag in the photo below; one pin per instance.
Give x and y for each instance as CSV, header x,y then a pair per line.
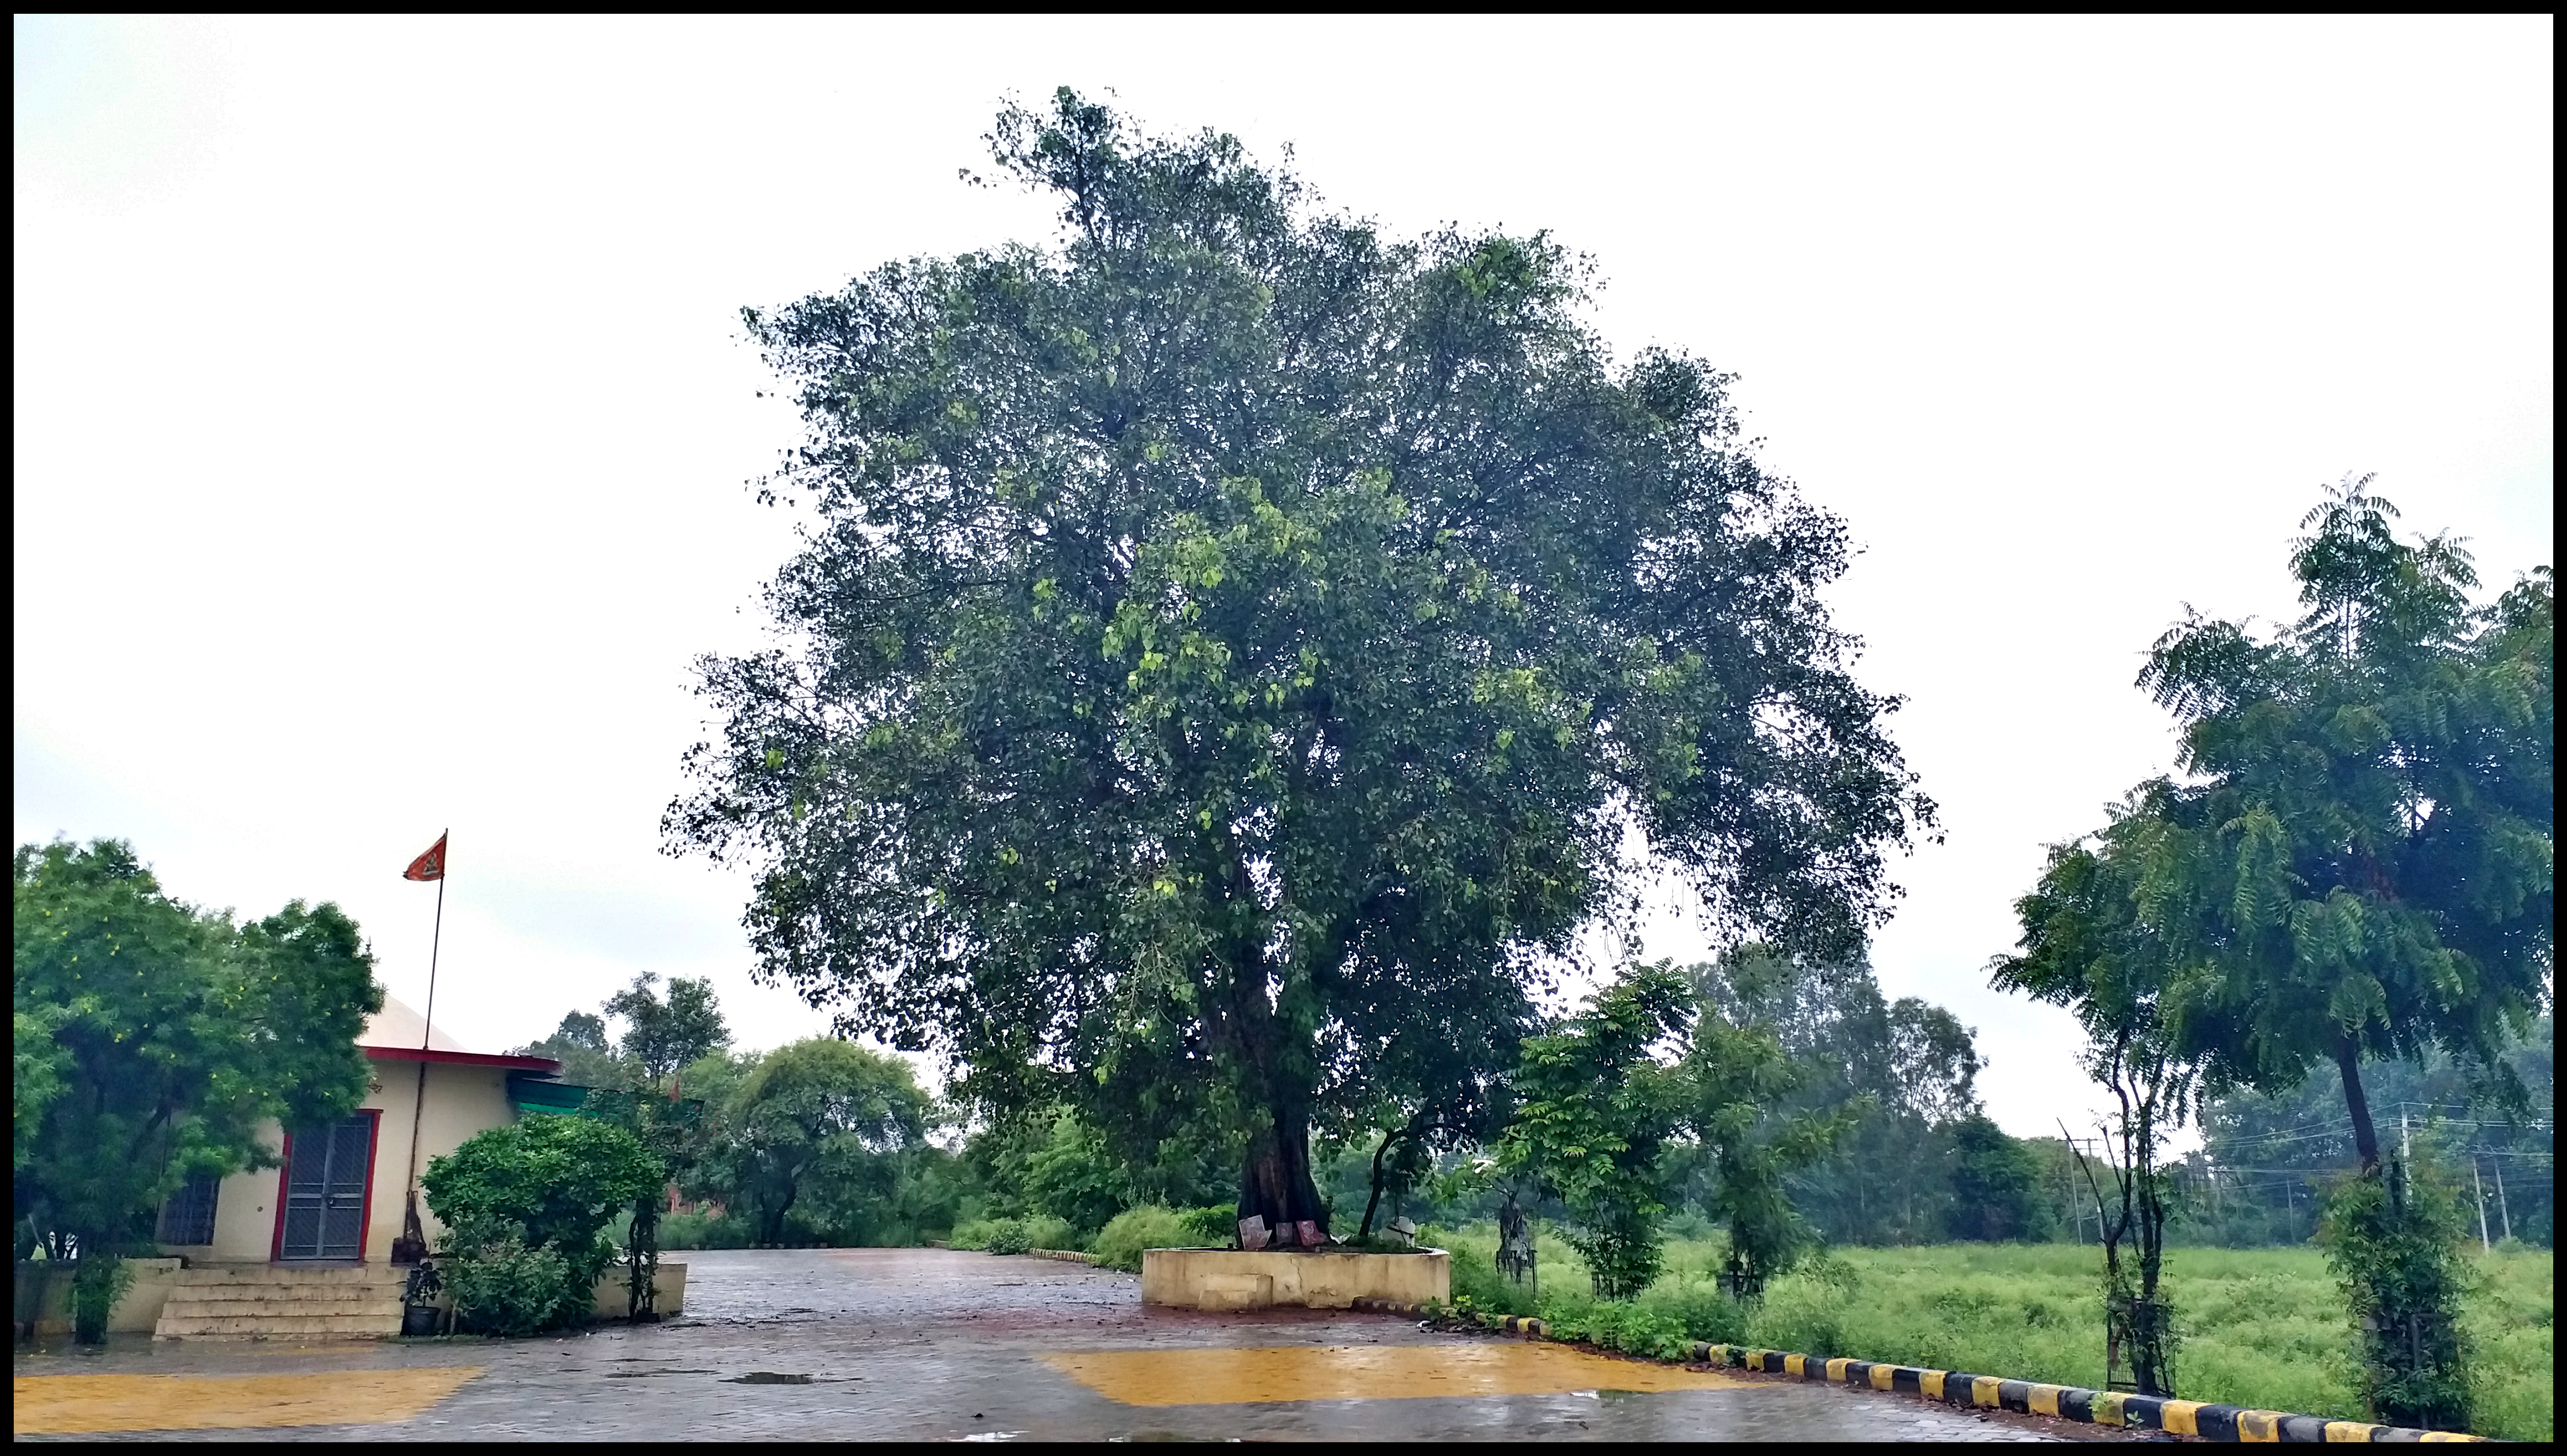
x,y
429,866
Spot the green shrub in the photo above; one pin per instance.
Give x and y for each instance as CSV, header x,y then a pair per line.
x,y
980,1234
1213,1226
98,1282
2395,1244
704,1231
1014,1235
1151,1225
501,1287
545,1182
1043,1230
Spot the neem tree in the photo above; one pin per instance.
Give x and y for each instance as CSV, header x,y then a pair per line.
x,y
2358,863
1235,644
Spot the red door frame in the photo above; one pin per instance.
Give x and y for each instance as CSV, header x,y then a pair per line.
x,y
366,1212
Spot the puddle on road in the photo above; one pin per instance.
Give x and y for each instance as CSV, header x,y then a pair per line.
x,y
82,1404
1368,1373
766,1378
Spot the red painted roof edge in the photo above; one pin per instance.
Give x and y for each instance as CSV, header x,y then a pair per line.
x,y
460,1058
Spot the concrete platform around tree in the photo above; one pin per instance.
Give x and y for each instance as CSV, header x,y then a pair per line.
x,y
1301,1279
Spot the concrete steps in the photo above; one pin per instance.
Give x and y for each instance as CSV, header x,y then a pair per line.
x,y
273,1302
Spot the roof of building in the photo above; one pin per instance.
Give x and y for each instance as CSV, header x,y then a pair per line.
x,y
397,1024
400,1034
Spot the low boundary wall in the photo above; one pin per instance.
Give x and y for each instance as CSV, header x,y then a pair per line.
x,y
1314,1279
2207,1420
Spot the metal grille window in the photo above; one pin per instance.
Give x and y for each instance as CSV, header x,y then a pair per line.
x,y
188,1216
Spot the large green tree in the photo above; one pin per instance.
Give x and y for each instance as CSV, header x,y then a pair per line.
x,y
2355,862
2359,860
162,1038
1234,643
820,1119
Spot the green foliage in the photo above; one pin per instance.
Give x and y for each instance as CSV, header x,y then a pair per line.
x,y
1735,1076
503,1286
826,1120
1996,1194
2087,945
2264,1327
1592,1116
100,1278
660,1036
682,1231
2361,859
1910,1066
2395,1246
1014,1236
1234,642
1151,1225
1075,1176
1212,1225
587,1058
155,1040
2358,862
39,1067
543,1183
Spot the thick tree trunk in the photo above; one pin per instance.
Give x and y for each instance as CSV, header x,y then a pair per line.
x,y
1277,1185
2366,1138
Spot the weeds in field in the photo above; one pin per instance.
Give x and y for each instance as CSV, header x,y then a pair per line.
x,y
2262,1327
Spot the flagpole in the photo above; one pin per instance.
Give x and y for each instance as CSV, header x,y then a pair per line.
x,y
413,1235
435,938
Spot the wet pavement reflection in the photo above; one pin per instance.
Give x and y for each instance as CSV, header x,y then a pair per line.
x,y
923,1343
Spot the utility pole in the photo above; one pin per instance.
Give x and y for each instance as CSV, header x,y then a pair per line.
x,y
2485,1244
2501,1211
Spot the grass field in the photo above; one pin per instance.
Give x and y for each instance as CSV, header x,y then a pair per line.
x,y
2261,1327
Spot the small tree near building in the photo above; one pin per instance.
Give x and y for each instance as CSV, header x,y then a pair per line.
x,y
155,1040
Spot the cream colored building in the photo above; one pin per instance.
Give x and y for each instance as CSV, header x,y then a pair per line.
x,y
339,1198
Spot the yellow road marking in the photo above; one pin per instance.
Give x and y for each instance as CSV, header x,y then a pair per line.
x,y
46,1405
1366,1373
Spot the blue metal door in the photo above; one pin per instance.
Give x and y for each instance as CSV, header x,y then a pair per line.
x,y
325,1191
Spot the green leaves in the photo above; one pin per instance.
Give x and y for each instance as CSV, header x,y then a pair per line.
x,y
154,1040
1309,612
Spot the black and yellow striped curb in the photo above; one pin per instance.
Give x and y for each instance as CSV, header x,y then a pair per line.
x,y
2205,1419
1065,1256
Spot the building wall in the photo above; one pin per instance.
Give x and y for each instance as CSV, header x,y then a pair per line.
x,y
461,1100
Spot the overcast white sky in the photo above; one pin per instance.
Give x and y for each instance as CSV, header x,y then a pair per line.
x,y
381,419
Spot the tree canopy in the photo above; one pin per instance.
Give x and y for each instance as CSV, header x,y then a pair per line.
x,y
153,1039
820,1115
2358,861
1234,648
2355,861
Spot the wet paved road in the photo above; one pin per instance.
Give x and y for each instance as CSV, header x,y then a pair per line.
x,y
929,1345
